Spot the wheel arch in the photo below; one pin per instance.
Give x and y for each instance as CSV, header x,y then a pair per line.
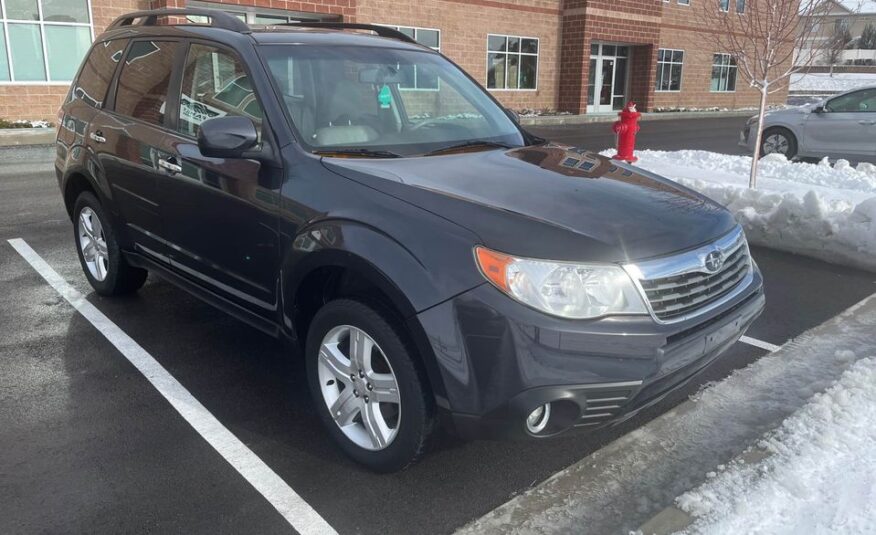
x,y
342,259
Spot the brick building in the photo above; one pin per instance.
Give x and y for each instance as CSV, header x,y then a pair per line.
x,y
579,56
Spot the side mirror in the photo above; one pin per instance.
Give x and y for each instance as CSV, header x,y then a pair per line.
x,y
513,115
819,109
227,137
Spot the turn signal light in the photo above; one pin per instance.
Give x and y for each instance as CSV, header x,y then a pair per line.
x,y
494,266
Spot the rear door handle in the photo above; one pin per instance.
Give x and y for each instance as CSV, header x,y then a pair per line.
x,y
170,165
97,137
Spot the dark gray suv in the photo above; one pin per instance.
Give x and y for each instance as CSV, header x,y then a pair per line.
x,y
361,196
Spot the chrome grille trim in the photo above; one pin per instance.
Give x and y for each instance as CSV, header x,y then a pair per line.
x,y
679,287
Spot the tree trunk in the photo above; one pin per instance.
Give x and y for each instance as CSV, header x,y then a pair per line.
x,y
755,159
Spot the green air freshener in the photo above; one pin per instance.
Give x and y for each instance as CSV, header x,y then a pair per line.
x,y
385,97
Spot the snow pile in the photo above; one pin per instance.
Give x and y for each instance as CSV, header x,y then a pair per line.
x,y
827,212
820,478
831,84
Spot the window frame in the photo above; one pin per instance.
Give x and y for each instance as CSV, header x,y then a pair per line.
x,y
507,54
416,29
671,64
4,24
725,69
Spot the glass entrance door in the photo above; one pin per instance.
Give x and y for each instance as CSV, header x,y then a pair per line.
x,y
607,87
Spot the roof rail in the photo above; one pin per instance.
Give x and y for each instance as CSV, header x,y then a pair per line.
x,y
218,19
382,31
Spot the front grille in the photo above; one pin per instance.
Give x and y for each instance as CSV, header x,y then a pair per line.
x,y
679,295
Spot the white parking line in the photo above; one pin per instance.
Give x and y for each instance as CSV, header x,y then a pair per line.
x,y
759,343
294,509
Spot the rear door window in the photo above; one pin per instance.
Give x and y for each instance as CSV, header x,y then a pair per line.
x,y
97,72
215,84
145,80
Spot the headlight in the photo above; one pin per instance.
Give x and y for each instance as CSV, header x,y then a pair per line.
x,y
564,289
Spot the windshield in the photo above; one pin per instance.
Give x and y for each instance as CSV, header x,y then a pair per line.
x,y
371,100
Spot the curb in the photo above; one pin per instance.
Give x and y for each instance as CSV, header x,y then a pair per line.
x,y
673,520
562,120
20,137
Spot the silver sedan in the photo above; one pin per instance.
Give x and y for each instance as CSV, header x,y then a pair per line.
x,y
843,126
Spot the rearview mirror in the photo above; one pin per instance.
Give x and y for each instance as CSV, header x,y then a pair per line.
x,y
227,137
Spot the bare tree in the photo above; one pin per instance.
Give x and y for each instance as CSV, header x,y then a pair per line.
x,y
837,44
763,37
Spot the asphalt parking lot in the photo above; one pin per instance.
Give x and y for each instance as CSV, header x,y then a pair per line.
x,y
88,445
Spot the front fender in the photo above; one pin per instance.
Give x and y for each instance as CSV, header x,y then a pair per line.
x,y
414,283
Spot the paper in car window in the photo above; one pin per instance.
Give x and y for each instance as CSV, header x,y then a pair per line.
x,y
197,112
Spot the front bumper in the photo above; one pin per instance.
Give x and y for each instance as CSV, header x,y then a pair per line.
x,y
499,360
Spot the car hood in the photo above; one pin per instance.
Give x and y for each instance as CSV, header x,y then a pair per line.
x,y
550,201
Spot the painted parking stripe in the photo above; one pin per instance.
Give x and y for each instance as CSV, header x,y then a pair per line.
x,y
294,509
759,343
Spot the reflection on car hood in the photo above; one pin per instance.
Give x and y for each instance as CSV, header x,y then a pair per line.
x,y
550,201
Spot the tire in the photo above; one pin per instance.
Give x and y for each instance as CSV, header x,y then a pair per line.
x,y
410,422
778,140
105,268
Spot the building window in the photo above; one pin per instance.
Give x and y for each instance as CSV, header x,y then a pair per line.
x,y
669,68
723,73
43,40
724,5
419,79
684,2
740,6
512,62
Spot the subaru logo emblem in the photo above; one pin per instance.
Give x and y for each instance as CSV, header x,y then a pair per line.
x,y
714,261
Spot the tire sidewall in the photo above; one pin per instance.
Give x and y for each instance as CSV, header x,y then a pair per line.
x,y
109,283
415,411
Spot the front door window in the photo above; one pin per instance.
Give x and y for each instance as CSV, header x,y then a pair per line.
x,y
606,88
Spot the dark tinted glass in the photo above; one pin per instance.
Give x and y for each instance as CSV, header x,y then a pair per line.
x,y
94,80
145,80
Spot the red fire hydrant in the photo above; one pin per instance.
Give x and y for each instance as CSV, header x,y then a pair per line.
x,y
626,129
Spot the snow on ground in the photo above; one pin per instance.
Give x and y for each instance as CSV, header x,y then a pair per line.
x,y
820,478
827,212
837,83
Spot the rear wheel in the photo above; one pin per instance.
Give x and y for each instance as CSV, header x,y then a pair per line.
x,y
779,141
367,388
105,268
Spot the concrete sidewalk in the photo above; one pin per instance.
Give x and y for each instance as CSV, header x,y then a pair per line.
x,y
18,137
560,120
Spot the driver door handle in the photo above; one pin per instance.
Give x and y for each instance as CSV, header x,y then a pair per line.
x,y
97,137
170,165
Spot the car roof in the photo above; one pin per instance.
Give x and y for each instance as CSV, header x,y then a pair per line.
x,y
265,35
272,35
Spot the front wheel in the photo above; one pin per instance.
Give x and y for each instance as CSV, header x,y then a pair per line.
x,y
779,141
369,392
105,268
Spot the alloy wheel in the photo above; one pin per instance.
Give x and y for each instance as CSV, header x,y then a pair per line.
x,y
776,144
92,243
359,387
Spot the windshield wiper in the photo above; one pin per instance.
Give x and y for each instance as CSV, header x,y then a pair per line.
x,y
468,144
363,153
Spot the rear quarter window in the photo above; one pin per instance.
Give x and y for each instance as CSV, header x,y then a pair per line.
x,y
97,72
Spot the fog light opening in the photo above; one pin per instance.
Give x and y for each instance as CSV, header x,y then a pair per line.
x,y
538,419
